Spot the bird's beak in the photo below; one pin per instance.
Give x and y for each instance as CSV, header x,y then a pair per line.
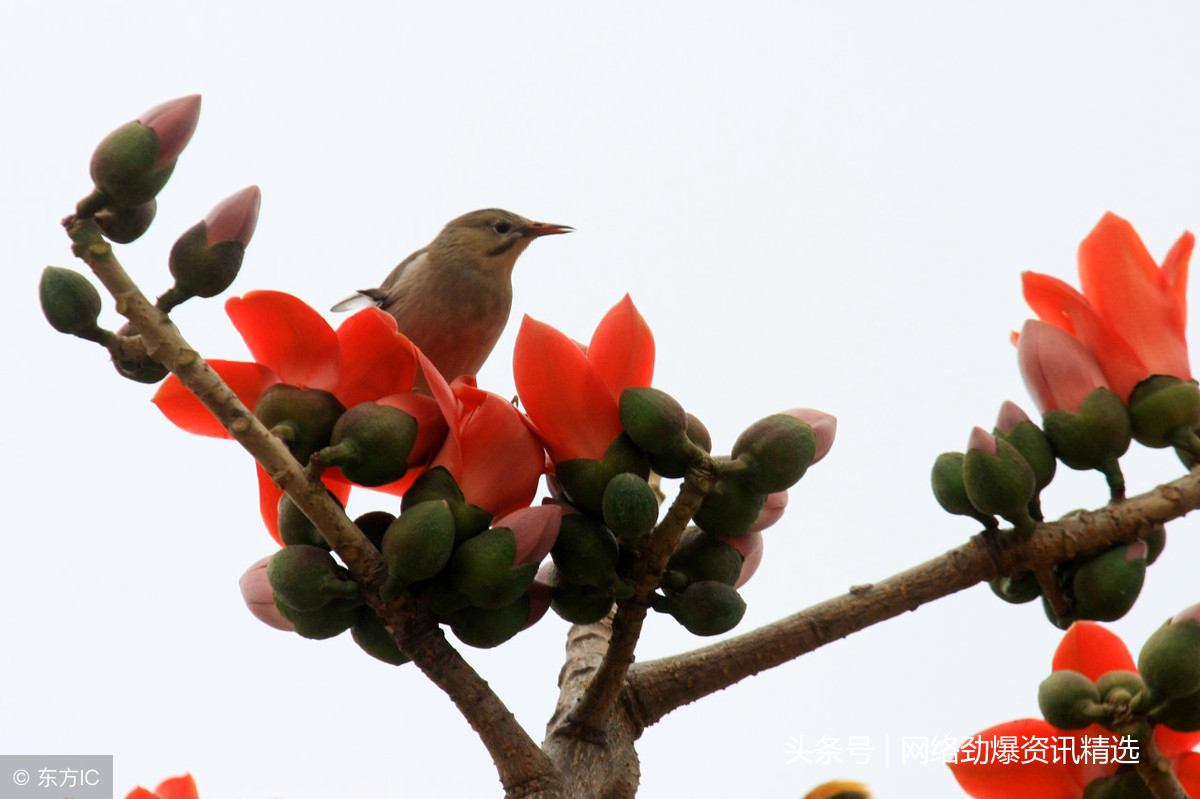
x,y
535,229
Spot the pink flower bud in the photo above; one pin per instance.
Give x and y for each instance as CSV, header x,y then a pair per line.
x,y
823,424
1010,416
1192,613
173,122
982,441
751,547
540,595
234,218
771,512
257,594
536,530
1058,371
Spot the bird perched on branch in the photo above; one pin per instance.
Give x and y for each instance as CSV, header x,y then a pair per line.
x,y
452,298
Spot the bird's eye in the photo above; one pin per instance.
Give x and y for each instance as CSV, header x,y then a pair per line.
x,y
502,227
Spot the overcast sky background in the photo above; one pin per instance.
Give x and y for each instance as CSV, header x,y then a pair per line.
x,y
816,204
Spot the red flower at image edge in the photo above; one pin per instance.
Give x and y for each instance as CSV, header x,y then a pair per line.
x,y
174,788
365,359
1131,313
1091,650
570,392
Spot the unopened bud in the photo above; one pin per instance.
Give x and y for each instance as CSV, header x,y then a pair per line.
x,y
206,259
997,479
134,162
1170,659
71,303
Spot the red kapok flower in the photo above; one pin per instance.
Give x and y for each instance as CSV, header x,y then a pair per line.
x,y
1033,766
570,392
1131,314
173,788
364,359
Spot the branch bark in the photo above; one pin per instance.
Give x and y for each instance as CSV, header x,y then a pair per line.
x,y
657,687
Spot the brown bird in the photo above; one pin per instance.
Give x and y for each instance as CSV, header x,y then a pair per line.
x,y
452,298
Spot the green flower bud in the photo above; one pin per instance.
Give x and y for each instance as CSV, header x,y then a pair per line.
x,y
578,604
307,578
1170,659
374,525
485,628
417,546
703,556
630,508
676,463
1065,699
1017,590
206,259
1105,586
327,621
1120,685
654,420
585,552
435,483
776,452
71,303
584,480
370,443
303,418
140,368
1181,714
730,508
997,479
950,492
482,569
134,162
1162,409
374,639
123,225
706,607
295,528
1094,437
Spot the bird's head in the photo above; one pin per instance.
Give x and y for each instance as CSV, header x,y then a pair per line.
x,y
493,238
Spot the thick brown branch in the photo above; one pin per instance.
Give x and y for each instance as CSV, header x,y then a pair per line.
x,y
658,687
590,716
523,768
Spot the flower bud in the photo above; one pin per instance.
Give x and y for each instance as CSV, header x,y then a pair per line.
x,y
307,578
824,426
706,607
586,552
206,259
1164,410
259,598
374,639
1094,437
583,480
134,162
675,464
1170,659
1106,585
949,490
1181,714
771,512
630,508
1058,371
327,621
703,556
776,452
140,368
485,628
576,603
1018,590
535,530
71,303
417,546
1065,697
482,569
370,444
303,418
653,420
374,525
1119,685
997,479
729,508
123,225
1015,427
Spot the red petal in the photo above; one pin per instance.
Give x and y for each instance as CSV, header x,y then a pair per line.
x,y
1187,769
1134,297
178,788
1172,743
248,381
141,793
622,349
376,360
1062,306
1175,269
1027,780
499,460
287,335
1092,650
565,398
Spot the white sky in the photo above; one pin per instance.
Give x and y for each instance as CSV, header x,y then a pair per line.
x,y
822,204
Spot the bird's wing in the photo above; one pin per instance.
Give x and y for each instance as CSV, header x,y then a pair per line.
x,y
364,298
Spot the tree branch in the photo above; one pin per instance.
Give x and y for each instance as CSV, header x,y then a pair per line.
x,y
523,768
657,687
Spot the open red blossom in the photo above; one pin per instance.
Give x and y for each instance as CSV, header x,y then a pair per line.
x,y
174,788
492,454
570,392
365,359
1026,757
1131,313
